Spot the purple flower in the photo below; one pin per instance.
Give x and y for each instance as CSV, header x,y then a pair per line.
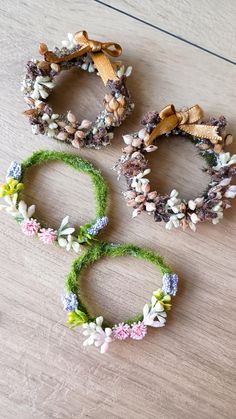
x,y
70,302
170,283
99,225
14,170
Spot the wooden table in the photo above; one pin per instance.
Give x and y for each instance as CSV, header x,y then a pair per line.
x,y
182,53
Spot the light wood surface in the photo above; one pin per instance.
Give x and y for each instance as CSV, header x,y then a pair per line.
x,y
187,369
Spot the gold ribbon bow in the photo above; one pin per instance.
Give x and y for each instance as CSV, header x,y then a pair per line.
x,y
98,51
185,121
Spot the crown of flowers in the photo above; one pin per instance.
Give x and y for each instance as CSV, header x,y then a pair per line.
x,y
100,333
66,236
39,82
171,208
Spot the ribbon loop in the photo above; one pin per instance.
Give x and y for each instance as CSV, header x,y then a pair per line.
x,y
186,121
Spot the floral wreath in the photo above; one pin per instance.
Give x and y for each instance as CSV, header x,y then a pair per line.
x,y
80,52
99,332
210,138
65,236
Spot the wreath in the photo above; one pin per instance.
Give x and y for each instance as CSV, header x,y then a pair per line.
x,y
209,138
92,56
98,331
66,236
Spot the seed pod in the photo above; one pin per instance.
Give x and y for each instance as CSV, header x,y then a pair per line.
x,y
108,121
55,67
107,107
62,136
152,195
218,148
128,139
146,188
71,117
131,203
108,97
29,100
121,100
151,148
228,139
80,134
85,124
120,111
70,129
142,133
42,48
113,104
139,199
43,65
128,149
29,112
150,206
136,142
130,194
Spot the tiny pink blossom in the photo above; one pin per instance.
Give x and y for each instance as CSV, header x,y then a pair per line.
x,y
30,226
121,331
47,235
138,330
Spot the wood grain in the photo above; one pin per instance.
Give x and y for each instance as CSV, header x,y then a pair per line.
x,y
187,369
205,24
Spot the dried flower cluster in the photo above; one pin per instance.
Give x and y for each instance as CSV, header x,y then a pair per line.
x,y
38,83
66,236
170,208
153,315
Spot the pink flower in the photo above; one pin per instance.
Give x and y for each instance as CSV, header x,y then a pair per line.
x,y
30,226
121,331
138,330
47,235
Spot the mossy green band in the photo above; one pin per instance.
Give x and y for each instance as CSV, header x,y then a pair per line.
x,y
100,250
80,165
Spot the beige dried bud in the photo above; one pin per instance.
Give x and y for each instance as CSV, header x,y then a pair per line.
x,y
42,48
62,136
55,67
71,117
113,104
70,129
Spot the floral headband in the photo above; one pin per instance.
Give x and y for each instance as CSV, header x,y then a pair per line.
x,y
209,138
65,236
99,332
82,53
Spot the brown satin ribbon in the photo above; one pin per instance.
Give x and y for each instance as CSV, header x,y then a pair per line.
x,y
98,51
185,121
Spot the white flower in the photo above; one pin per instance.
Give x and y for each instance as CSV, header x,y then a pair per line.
x,y
156,311
196,203
69,243
140,180
88,65
96,335
194,218
69,43
225,159
24,211
52,125
11,201
174,203
39,90
64,230
230,192
174,221
218,209
122,72
65,238
225,182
